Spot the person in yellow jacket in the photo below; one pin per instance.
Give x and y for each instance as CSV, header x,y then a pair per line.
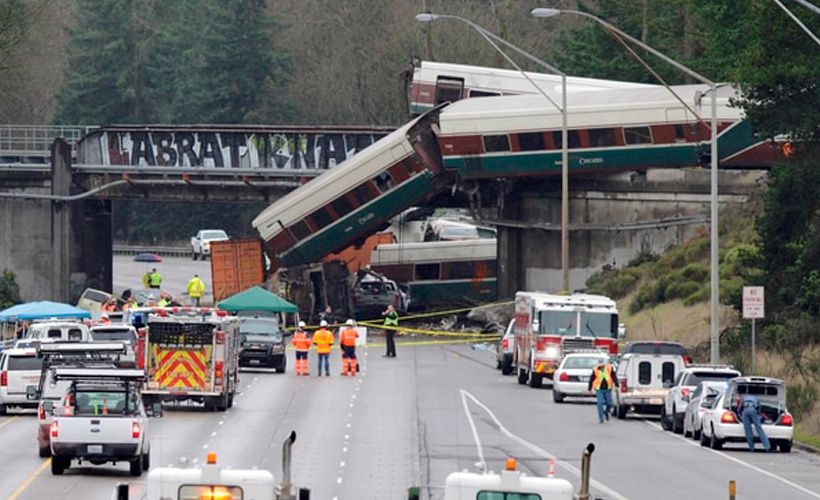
x,y
603,381
323,340
196,289
301,344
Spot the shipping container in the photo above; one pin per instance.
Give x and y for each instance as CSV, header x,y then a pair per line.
x,y
236,265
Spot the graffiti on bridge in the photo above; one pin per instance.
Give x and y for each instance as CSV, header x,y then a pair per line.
x,y
223,150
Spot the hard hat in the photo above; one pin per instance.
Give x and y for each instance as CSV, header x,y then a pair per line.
x,y
350,322
302,324
323,323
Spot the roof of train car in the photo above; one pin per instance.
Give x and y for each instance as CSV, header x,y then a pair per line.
x,y
434,251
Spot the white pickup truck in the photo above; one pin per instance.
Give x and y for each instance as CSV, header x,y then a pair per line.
x,y
201,243
101,419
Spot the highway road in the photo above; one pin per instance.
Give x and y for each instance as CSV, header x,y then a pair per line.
x,y
175,271
411,420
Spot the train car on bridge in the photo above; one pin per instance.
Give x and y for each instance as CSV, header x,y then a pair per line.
x,y
432,83
356,199
611,130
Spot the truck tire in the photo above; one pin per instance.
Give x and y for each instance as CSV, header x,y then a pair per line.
x,y
522,376
221,402
59,465
506,367
536,380
621,412
230,400
44,452
3,409
135,466
665,423
146,461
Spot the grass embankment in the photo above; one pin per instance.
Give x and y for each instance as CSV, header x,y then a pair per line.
x,y
666,297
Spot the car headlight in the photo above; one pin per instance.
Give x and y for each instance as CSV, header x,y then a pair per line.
x,y
553,351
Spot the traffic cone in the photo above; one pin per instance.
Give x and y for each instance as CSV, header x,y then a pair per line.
x,y
551,472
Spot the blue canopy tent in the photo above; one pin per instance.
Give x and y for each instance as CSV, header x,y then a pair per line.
x,y
41,310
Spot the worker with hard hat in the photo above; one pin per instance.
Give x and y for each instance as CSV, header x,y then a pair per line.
x,y
301,344
347,339
323,340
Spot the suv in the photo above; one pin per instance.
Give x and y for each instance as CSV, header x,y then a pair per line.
x,y
58,330
657,347
261,343
644,381
677,398
119,333
20,369
504,350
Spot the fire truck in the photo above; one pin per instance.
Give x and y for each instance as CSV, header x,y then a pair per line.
x,y
191,354
547,326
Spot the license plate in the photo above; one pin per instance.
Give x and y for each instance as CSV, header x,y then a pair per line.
x,y
95,448
255,361
656,401
583,378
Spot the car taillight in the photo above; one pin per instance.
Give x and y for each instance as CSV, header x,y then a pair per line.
x,y
786,420
55,429
220,337
728,418
4,378
41,412
136,429
219,371
623,385
684,392
505,344
563,377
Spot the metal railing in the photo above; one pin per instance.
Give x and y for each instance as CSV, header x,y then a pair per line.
x,y
34,140
159,250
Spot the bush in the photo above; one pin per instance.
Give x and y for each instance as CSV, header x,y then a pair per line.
x,y
696,271
702,295
680,290
9,290
642,258
800,398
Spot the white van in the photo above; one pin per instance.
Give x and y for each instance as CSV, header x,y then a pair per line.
x,y
92,301
644,380
58,330
19,368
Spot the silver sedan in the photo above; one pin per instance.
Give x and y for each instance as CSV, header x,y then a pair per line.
x,y
700,401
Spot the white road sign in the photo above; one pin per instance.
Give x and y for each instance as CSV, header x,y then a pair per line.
x,y
753,302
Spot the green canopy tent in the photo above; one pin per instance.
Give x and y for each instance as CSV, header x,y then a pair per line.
x,y
257,299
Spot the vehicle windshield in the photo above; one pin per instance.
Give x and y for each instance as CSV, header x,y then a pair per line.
x,y
656,348
32,363
582,362
572,323
214,235
123,334
697,377
260,327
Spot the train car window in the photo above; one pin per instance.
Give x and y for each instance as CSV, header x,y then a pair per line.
x,y
449,89
637,135
601,137
383,181
341,206
680,136
362,194
428,271
531,141
461,270
300,230
483,93
495,143
321,218
573,139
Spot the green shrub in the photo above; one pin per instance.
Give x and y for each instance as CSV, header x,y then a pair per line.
x,y
696,271
800,398
9,290
642,258
680,290
702,295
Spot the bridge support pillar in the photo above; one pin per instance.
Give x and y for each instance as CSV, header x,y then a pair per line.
x,y
510,278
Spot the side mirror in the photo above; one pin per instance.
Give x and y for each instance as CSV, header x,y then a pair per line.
x,y
31,393
621,331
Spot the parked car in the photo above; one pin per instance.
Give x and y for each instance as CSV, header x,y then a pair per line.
x,y
644,381
58,330
701,401
201,243
261,343
722,423
677,398
373,292
19,368
572,375
504,350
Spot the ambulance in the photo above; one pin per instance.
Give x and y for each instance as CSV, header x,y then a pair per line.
x,y
191,353
547,326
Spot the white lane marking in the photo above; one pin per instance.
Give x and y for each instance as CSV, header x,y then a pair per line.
x,y
347,436
221,422
475,431
205,446
338,480
213,434
344,449
342,463
738,461
543,453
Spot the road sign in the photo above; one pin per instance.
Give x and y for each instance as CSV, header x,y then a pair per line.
x,y
753,302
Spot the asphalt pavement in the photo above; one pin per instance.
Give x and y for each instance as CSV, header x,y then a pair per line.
x,y
411,420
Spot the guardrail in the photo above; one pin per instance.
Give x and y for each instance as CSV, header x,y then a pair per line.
x,y
37,139
159,250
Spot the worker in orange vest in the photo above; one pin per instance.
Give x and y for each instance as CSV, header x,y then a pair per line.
x,y
323,340
347,339
301,344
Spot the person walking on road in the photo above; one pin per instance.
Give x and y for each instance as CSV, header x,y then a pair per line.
x,y
750,415
156,279
196,289
146,279
391,321
301,344
603,380
347,339
323,340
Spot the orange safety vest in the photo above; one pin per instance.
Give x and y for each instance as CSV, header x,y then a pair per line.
x,y
348,337
323,339
301,341
600,375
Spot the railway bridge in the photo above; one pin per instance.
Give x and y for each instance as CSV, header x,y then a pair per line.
x,y
56,197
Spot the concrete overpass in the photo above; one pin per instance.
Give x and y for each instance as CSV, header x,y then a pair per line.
x,y
55,215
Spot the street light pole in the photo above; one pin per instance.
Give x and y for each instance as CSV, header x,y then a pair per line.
x,y
489,36
714,322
